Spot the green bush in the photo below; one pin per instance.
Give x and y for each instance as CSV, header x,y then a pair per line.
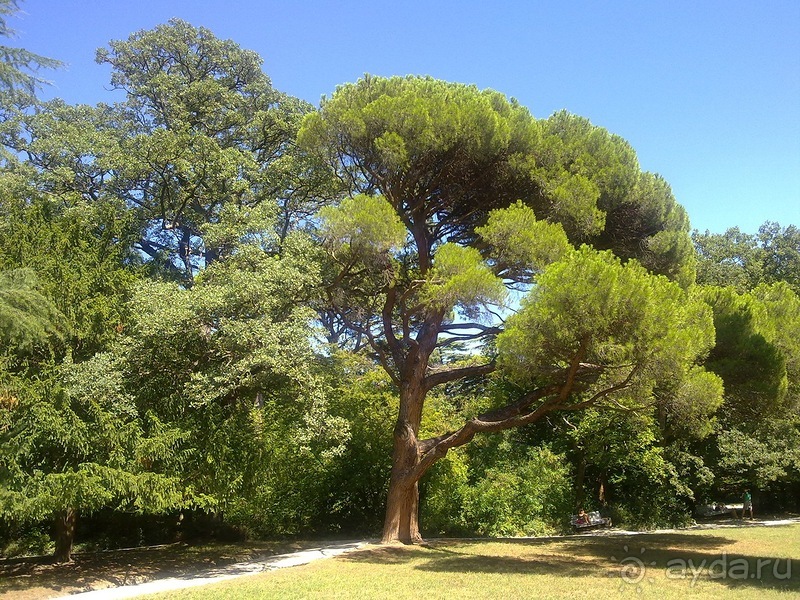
x,y
517,496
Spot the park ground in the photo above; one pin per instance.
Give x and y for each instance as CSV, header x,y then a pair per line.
x,y
726,559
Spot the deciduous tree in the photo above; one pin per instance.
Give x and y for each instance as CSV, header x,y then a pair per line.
x,y
202,139
743,261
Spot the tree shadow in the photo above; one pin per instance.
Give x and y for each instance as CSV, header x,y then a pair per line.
x,y
115,568
673,556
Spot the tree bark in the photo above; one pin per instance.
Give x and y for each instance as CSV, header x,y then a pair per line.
x,y
64,534
402,512
402,504
604,490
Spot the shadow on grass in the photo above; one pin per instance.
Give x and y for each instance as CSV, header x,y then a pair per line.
x,y
440,557
97,570
672,556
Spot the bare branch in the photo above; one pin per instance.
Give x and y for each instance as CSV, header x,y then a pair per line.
x,y
388,331
485,329
446,376
573,370
570,425
603,393
384,360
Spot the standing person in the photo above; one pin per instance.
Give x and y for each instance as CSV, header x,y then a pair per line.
x,y
747,503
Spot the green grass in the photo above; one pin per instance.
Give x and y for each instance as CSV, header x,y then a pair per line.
x,y
576,567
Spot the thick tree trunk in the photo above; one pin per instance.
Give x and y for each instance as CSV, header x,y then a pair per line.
x,y
64,534
402,514
402,504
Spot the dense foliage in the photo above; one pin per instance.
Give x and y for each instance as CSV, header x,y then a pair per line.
x,y
222,310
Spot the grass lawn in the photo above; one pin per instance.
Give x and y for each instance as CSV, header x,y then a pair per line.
x,y
746,562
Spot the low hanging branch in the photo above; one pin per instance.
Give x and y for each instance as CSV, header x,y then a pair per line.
x,y
525,411
507,417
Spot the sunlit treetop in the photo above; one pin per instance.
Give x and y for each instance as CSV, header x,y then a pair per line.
x,y
445,154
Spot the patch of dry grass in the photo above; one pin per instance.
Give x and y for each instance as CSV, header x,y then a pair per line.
x,y
641,566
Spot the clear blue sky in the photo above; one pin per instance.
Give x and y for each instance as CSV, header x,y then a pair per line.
x,y
707,92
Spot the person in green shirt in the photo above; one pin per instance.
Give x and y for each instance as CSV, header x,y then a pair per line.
x,y
747,503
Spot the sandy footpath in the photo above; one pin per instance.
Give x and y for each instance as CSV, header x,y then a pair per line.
x,y
220,574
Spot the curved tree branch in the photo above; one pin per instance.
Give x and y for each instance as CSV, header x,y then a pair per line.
x,y
448,375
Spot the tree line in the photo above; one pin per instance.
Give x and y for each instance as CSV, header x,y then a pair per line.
x,y
415,308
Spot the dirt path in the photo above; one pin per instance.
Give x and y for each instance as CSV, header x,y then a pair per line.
x,y
715,524
221,574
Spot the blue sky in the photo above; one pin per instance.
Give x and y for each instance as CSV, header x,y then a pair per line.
x,y
707,92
